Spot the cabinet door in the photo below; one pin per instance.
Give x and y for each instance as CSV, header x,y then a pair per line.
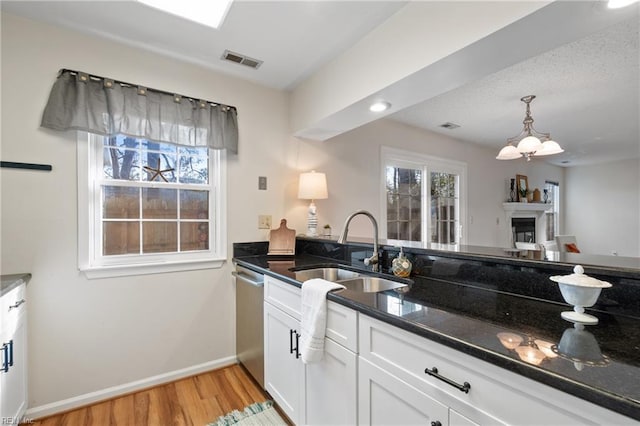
x,y
457,419
386,400
331,387
13,399
283,372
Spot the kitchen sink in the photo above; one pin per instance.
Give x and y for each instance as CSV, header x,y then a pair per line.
x,y
352,280
366,284
330,274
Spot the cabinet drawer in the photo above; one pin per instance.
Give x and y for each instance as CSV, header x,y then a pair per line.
x,y
12,307
342,326
283,296
407,355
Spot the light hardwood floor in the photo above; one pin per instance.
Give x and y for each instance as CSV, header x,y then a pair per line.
x,y
195,400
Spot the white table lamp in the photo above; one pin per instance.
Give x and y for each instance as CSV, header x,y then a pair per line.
x,y
313,186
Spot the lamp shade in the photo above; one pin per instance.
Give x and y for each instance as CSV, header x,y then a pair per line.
x,y
509,152
529,144
549,148
313,186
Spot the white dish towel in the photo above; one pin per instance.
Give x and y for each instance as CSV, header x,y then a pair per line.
x,y
314,318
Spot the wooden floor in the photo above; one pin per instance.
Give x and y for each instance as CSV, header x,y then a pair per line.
x,y
196,400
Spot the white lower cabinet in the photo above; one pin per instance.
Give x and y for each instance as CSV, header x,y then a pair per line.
x,y
374,373
13,356
495,396
331,387
457,419
320,393
284,372
386,400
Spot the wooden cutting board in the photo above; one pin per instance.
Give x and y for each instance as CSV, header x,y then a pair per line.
x,y
282,241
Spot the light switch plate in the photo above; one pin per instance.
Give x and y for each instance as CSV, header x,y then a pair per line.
x,y
262,183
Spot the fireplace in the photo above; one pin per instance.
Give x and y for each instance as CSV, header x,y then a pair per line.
x,y
525,222
523,229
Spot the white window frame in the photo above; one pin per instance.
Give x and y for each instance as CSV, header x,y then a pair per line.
x,y
394,157
90,258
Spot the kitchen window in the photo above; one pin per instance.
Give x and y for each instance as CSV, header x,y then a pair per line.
x,y
552,195
423,199
147,207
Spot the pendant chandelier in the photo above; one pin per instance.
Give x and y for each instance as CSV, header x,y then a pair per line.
x,y
530,142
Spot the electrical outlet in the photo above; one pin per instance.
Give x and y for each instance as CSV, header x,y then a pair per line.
x,y
264,221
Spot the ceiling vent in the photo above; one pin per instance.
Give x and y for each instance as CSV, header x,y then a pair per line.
x,y
241,59
449,126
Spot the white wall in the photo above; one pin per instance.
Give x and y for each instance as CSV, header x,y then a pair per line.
x,y
87,335
603,207
352,164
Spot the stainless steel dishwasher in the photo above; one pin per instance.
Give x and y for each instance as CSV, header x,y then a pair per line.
x,y
249,321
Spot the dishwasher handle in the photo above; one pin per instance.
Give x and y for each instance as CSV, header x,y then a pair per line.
x,y
248,279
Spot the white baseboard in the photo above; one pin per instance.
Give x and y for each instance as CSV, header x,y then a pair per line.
x,y
115,391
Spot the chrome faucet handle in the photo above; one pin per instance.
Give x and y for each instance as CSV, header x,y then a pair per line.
x,y
373,261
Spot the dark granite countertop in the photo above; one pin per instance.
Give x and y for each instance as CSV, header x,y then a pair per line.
x,y
9,282
603,369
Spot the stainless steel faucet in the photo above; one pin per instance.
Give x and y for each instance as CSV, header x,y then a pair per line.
x,y
373,260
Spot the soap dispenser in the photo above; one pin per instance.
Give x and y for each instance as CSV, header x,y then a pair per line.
x,y
401,266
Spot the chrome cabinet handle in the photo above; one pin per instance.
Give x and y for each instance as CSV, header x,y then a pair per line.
x,y
17,304
462,388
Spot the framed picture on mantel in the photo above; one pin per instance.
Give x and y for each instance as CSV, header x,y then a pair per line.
x,y
521,183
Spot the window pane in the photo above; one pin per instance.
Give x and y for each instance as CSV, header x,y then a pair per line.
x,y
194,170
121,164
200,151
194,204
159,203
159,147
159,237
121,142
120,202
159,167
404,203
444,220
120,238
194,236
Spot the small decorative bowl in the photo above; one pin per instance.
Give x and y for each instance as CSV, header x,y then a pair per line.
x,y
581,291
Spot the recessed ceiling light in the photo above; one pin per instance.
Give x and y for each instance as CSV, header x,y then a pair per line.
x,y
380,106
617,4
209,13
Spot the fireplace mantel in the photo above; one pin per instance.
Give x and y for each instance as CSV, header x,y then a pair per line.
x,y
523,210
527,207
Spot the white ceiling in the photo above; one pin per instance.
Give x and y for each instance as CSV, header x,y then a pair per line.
x,y
293,38
587,97
587,91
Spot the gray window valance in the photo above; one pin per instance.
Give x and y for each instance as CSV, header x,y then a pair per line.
x,y
79,101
